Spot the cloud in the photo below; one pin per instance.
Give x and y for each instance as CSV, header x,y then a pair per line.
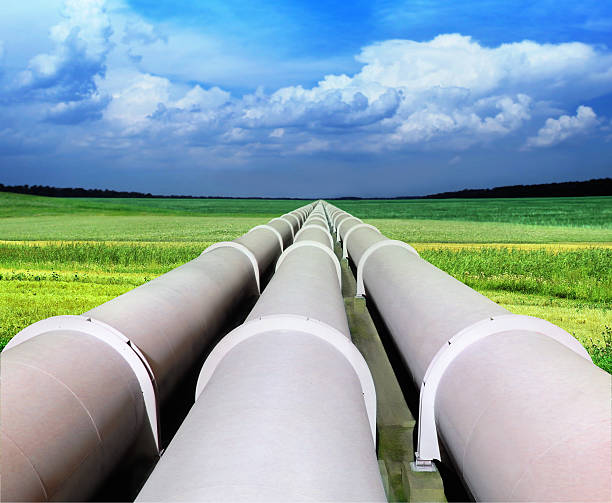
x,y
75,112
137,30
81,43
558,130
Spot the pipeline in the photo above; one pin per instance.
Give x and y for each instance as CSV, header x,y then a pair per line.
x,y
82,393
285,404
522,411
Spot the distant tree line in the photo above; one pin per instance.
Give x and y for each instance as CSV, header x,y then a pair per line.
x,y
46,190
595,187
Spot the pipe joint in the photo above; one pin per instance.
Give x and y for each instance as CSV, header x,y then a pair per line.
x,y
274,231
150,441
302,324
371,249
350,231
243,249
428,447
314,244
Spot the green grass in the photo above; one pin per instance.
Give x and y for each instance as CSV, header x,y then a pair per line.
x,y
21,205
589,212
65,256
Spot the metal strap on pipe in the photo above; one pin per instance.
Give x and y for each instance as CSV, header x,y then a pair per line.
x,y
121,344
428,445
300,324
350,231
274,231
292,215
338,237
301,244
309,225
283,219
337,217
243,249
371,249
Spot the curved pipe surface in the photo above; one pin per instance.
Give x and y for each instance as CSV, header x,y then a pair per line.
x,y
85,390
523,416
281,414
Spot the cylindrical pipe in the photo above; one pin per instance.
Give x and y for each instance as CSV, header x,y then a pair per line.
x,y
161,327
523,416
71,406
281,413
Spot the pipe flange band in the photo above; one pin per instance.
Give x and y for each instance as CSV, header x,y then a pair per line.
x,y
120,343
350,231
341,223
285,220
274,231
371,249
337,222
317,218
428,448
297,220
300,324
240,247
315,244
317,226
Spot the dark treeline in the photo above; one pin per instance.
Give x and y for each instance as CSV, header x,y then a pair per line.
x,y
45,190
595,187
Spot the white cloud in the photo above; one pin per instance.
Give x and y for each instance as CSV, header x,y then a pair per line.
x,y
555,131
81,42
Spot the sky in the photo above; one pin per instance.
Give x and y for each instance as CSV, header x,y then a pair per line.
x,y
303,98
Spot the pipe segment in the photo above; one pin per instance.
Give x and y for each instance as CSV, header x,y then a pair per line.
x,y
522,411
285,406
82,393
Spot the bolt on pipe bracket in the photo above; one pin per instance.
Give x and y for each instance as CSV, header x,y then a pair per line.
x,y
428,447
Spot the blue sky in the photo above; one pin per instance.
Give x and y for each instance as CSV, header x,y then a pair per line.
x,y
302,98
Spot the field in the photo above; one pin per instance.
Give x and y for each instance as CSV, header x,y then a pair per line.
x,y
549,258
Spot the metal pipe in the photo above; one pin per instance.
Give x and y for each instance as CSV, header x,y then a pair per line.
x,y
79,393
285,405
521,409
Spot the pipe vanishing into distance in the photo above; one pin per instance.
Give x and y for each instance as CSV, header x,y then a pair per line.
x,y
285,404
521,409
80,393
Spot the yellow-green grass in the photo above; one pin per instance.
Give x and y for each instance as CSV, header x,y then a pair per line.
x,y
451,231
567,284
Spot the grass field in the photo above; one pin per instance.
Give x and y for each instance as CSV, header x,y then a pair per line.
x,y
547,258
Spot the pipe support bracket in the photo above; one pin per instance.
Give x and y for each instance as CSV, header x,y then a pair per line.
x,y
315,244
274,231
241,248
302,324
371,249
121,344
428,447
307,225
350,231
